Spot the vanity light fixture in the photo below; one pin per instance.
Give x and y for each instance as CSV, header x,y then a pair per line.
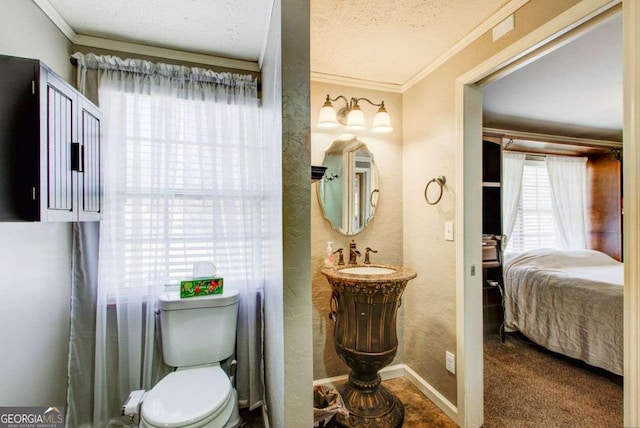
x,y
352,116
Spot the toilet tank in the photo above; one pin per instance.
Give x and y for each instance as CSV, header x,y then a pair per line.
x,y
198,330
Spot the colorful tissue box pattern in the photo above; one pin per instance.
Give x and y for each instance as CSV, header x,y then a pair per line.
x,y
200,287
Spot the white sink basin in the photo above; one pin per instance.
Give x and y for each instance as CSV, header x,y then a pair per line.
x,y
367,270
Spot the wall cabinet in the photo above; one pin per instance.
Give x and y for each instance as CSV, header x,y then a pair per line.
x,y
49,146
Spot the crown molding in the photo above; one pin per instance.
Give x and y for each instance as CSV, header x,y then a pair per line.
x,y
481,29
356,83
141,49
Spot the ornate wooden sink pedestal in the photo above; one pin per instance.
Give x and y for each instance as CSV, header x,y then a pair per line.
x,y
364,309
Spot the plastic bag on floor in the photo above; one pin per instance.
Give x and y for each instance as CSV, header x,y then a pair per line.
x,y
327,402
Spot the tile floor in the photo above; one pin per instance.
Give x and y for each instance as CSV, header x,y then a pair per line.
x,y
419,411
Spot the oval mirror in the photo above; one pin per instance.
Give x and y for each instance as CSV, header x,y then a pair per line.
x,y
348,193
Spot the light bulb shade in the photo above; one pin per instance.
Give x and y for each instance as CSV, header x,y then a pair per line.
x,y
382,122
327,117
355,119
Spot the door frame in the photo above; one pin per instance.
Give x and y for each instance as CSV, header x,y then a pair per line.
x,y
468,93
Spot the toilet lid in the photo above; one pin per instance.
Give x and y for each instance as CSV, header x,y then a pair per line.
x,y
186,396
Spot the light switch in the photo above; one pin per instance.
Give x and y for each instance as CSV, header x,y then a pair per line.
x,y
450,362
448,231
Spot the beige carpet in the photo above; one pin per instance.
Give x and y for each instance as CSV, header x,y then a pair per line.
x,y
527,386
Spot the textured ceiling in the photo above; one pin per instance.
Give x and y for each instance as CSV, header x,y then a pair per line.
x,y
385,41
229,28
377,40
389,41
575,90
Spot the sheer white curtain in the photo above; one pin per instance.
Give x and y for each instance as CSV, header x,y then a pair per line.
x,y
183,160
512,167
568,182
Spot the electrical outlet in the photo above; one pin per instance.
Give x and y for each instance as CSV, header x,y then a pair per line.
x,y
450,362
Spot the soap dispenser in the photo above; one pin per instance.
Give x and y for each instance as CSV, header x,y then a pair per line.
x,y
328,254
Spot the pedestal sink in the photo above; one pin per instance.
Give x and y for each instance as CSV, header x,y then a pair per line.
x,y
364,304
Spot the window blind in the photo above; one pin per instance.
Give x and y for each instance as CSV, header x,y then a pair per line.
x,y
534,227
189,193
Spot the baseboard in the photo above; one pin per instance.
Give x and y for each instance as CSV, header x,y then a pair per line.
x,y
402,370
432,394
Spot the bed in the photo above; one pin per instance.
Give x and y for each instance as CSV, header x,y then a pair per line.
x,y
570,302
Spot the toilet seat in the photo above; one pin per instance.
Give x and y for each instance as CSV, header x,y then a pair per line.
x,y
190,397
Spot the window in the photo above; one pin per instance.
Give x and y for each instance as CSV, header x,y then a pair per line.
x,y
191,191
534,227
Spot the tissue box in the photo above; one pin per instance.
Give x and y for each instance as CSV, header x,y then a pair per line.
x,y
200,287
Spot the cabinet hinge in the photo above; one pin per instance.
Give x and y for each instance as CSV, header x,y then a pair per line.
x,y
33,87
33,193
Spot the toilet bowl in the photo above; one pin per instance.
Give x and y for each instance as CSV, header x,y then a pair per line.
x,y
191,397
197,335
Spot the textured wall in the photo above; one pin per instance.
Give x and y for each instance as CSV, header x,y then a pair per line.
x,y
296,182
35,258
384,233
429,144
285,80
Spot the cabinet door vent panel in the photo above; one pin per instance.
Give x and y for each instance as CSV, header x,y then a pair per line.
x,y
91,161
59,125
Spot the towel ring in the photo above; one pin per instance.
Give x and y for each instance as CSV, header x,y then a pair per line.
x,y
441,180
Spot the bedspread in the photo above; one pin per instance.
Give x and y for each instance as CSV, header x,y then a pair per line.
x,y
570,302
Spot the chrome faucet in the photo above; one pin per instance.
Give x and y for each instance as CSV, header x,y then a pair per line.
x,y
353,253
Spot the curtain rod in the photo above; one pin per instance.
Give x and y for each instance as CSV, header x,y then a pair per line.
x,y
74,61
551,139
614,153
544,155
254,78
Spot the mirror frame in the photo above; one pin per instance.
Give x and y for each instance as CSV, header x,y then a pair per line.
x,y
347,148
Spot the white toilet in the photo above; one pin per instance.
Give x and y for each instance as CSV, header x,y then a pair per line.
x,y
197,334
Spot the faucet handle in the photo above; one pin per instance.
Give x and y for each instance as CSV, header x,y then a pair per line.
x,y
341,256
366,255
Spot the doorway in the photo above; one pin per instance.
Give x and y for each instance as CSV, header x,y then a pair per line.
x,y
468,253
538,122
